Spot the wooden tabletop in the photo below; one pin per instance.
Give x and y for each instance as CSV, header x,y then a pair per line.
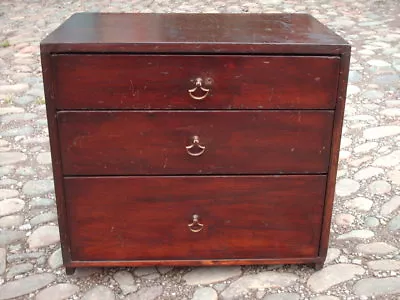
x,y
194,33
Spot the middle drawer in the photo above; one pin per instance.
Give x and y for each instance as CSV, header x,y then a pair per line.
x,y
194,142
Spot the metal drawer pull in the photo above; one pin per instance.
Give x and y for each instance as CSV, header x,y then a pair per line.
x,y
195,226
198,85
195,144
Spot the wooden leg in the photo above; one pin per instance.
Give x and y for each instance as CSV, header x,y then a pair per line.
x,y
69,271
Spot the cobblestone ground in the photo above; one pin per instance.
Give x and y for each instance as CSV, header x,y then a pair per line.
x,y
363,260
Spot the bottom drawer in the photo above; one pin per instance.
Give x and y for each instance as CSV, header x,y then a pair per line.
x,y
239,217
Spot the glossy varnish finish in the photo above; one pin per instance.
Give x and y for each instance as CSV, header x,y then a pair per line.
x,y
235,82
120,117
154,142
280,218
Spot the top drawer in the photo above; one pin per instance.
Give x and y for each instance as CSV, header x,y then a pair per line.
x,y
117,81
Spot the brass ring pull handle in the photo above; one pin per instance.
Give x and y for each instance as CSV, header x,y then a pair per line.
x,y
198,85
195,144
195,226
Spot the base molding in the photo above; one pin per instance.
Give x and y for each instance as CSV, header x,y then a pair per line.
x,y
315,262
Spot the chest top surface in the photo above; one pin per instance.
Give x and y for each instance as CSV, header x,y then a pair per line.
x,y
194,33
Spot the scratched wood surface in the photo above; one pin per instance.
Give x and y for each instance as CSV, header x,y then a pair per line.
x,y
194,33
120,116
133,218
239,142
163,81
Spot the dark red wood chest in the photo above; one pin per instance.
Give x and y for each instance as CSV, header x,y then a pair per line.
x,y
194,139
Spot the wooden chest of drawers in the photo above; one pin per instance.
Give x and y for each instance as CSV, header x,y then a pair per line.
x,y
189,139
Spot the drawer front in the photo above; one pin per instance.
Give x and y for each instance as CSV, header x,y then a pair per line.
x,y
159,142
150,218
163,82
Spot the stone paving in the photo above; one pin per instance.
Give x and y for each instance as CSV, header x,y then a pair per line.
x,y
363,259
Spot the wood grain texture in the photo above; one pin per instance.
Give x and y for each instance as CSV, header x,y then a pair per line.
x,y
334,157
237,142
194,33
186,262
276,106
144,218
48,82
162,82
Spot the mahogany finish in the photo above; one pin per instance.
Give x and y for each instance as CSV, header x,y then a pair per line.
x,y
236,82
284,217
194,33
55,156
121,117
336,138
153,143
186,262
